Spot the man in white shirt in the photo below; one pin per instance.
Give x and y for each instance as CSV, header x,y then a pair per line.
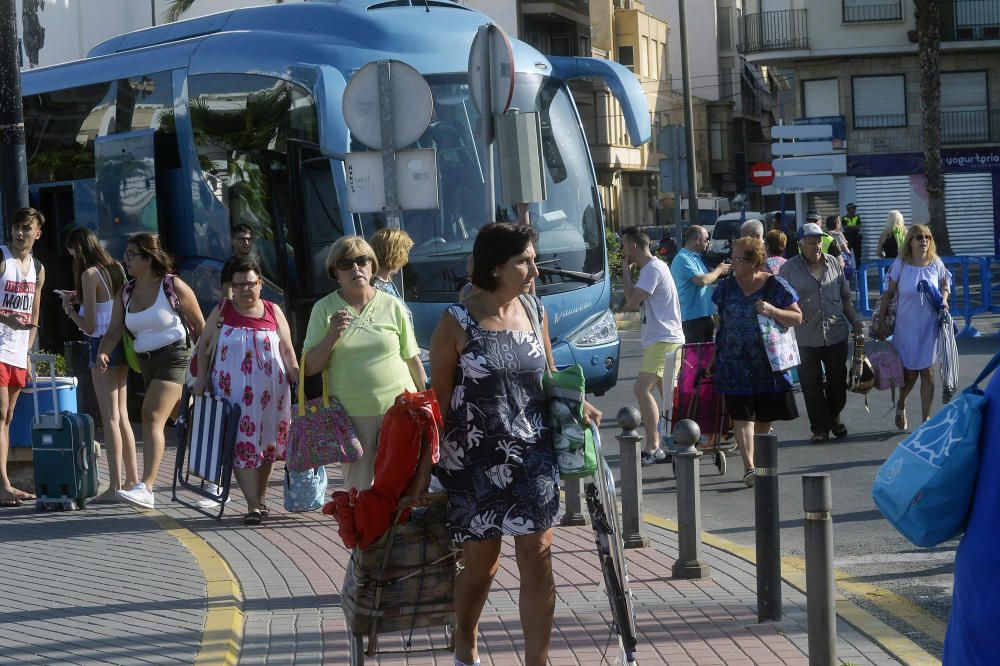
x,y
655,295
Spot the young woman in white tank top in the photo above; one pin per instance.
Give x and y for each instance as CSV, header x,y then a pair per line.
x,y
162,343
99,279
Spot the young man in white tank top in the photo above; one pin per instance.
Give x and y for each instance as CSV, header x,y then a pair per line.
x,y
21,280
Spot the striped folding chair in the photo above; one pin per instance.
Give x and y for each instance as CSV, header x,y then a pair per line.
x,y
206,432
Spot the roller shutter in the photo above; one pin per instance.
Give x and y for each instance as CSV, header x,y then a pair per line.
x,y
822,97
875,198
968,205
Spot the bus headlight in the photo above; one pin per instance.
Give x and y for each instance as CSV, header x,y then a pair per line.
x,y
600,330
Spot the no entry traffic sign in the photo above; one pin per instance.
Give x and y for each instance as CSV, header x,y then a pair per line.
x,y
762,173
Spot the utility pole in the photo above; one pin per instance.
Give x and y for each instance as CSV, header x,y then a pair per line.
x,y
13,161
688,119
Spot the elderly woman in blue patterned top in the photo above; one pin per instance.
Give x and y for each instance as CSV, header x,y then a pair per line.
x,y
755,395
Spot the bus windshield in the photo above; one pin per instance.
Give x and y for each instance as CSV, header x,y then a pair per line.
x,y
570,245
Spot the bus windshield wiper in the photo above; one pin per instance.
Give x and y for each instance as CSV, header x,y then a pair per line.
x,y
589,278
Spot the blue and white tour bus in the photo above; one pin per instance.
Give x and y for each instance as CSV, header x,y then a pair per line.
x,y
190,128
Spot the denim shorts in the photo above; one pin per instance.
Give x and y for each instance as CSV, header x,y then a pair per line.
x,y
115,358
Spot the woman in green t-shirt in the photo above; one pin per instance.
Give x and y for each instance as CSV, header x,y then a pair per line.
x,y
363,340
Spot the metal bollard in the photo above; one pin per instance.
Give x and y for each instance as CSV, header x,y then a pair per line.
x,y
630,447
689,563
768,535
821,611
575,515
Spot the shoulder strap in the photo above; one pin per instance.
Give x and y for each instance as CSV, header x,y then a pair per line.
x,y
532,305
990,367
171,292
127,292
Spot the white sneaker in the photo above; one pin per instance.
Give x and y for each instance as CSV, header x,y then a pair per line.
x,y
139,496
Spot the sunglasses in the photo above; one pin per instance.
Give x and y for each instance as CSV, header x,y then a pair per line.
x,y
924,238
347,264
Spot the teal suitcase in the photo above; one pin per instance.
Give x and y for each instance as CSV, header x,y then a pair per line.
x,y
65,458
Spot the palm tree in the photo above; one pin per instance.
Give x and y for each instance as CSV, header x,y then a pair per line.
x,y
176,8
928,17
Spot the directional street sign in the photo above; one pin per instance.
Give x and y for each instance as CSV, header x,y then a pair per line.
x,y
762,173
806,183
809,132
801,148
817,164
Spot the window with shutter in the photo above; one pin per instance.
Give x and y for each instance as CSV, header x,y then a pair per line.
x,y
965,115
879,101
860,11
821,97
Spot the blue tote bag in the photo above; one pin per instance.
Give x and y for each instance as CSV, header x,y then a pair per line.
x,y
925,488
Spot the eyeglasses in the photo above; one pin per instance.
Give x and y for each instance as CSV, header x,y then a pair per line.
x,y
347,264
741,260
244,239
924,237
130,255
245,285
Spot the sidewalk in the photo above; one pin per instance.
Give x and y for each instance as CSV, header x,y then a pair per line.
x,y
109,585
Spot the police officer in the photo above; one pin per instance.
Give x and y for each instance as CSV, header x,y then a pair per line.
x,y
852,230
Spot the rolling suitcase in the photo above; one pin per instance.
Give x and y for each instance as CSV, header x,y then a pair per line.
x,y
64,454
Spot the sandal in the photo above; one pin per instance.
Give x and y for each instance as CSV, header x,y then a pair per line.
x,y
252,518
264,511
901,419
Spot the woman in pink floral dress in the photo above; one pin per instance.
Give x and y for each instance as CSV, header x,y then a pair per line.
x,y
253,366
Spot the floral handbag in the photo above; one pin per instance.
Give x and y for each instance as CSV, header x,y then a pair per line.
x,y
779,343
321,433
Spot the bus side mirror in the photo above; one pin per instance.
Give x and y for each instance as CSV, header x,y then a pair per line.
x,y
328,86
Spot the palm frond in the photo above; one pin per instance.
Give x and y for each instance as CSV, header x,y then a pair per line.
x,y
175,9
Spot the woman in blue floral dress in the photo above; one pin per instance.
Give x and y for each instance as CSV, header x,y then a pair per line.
x,y
498,463
755,395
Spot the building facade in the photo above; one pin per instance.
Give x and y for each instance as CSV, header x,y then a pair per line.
x,y
855,66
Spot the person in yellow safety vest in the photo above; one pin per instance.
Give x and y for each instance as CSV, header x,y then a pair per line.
x,y
852,230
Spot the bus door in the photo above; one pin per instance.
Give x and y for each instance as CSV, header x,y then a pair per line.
x,y
317,220
65,205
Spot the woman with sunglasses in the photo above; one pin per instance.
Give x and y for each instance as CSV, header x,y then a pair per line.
x,y
916,341
363,341
755,394
248,349
164,329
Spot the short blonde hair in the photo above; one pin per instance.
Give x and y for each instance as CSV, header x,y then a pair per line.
x,y
753,249
348,247
392,248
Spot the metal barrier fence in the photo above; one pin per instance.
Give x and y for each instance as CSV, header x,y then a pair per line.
x,y
972,290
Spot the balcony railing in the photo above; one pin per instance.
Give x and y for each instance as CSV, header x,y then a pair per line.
x,y
889,11
966,126
970,20
774,31
877,121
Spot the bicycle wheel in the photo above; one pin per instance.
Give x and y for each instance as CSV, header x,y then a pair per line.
x,y
601,503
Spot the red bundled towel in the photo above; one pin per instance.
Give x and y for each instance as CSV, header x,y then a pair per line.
x,y
364,516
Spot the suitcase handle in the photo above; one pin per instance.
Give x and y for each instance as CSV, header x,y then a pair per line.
x,y
51,360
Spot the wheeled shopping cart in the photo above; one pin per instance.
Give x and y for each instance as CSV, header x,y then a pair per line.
x,y
695,398
404,581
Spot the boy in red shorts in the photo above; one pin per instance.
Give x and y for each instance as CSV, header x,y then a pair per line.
x,y
21,280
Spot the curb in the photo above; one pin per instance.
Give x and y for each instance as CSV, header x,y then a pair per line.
x,y
222,637
793,573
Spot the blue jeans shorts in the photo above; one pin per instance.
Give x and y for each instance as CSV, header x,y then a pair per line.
x,y
115,358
